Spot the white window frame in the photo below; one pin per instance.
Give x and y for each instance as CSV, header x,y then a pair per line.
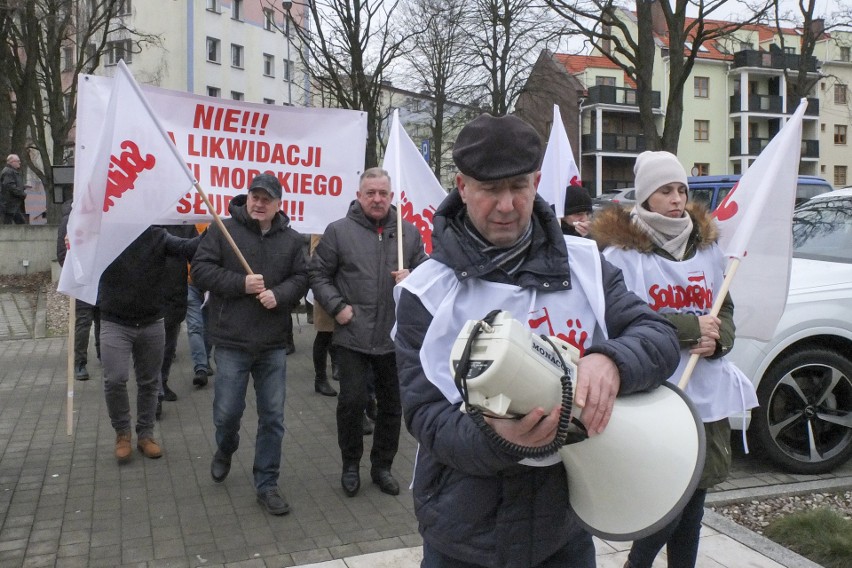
x,y
237,10
118,50
214,91
216,44
237,56
268,65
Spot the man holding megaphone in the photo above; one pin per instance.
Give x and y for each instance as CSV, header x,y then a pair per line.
x,y
479,498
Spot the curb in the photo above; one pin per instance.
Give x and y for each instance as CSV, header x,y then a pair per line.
x,y
759,543
721,498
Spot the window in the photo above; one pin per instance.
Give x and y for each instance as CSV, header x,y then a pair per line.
x,y
92,60
839,94
213,49
214,92
237,96
268,20
789,50
123,8
605,81
288,70
269,101
268,65
237,10
700,169
67,58
840,134
844,53
287,20
702,88
839,176
702,130
68,104
213,6
118,50
236,56
744,45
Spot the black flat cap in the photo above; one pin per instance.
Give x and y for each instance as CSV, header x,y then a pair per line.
x,y
496,147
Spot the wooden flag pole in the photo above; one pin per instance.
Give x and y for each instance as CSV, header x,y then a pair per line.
x,y
69,401
717,305
221,225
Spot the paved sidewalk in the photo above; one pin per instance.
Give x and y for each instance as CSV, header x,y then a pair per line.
x,y
65,502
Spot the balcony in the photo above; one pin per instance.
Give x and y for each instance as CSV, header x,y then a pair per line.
x,y
772,104
772,60
810,148
627,143
605,94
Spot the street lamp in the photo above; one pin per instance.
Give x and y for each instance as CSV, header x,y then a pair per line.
x,y
287,7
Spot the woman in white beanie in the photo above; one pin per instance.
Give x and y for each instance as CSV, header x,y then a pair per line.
x,y
668,252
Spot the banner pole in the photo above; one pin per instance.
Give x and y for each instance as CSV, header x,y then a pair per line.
x,y
221,225
717,305
69,400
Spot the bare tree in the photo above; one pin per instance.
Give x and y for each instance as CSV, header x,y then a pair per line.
x,y
348,48
603,24
47,44
436,57
506,37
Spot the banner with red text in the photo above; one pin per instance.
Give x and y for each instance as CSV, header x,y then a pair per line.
x,y
136,176
318,154
416,189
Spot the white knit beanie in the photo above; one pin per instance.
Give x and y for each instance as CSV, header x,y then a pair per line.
x,y
654,170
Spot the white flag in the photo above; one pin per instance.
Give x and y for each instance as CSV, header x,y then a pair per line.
x,y
418,192
558,169
755,223
137,177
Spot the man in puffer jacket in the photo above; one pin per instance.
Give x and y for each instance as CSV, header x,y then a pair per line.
x,y
498,245
247,327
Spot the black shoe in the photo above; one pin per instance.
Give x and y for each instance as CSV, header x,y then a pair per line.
x,y
159,410
385,481
200,378
80,372
321,386
273,502
220,466
367,426
350,480
168,394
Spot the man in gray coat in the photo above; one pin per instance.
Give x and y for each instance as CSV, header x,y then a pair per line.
x,y
13,192
353,272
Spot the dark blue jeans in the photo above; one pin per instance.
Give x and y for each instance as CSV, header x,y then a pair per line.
x,y
269,371
199,348
680,538
576,554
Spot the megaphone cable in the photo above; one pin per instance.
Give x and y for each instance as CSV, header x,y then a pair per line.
x,y
569,431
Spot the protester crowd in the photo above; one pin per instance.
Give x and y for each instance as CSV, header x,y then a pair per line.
x,y
386,318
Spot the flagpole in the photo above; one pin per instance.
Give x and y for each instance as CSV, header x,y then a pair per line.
x,y
69,401
717,306
221,225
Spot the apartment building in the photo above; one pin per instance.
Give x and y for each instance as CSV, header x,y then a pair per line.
x,y
735,100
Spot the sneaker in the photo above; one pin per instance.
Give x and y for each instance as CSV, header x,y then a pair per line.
x,y
200,378
80,372
149,447
122,446
273,502
169,394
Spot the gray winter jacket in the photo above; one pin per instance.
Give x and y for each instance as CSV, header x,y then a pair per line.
x,y
473,500
352,265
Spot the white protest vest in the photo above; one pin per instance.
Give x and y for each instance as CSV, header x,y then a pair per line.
x,y
575,315
717,387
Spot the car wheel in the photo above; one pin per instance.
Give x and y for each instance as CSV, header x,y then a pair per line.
x,y
804,422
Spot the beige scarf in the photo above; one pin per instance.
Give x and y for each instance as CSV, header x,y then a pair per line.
x,y
669,234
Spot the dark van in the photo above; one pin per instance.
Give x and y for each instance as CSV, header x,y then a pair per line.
x,y
711,190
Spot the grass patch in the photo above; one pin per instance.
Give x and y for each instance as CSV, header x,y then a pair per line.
x,y
821,535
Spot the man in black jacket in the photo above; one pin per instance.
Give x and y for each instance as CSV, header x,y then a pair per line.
x,y
247,326
131,302
496,244
353,272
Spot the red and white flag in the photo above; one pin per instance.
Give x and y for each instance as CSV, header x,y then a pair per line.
x,y
418,191
558,168
755,223
138,176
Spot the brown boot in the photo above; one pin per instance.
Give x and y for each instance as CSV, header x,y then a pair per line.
x,y
149,447
122,446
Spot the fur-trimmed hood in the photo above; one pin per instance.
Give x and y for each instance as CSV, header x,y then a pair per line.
x,y
612,227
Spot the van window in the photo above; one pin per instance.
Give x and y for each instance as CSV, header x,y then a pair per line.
x,y
805,191
703,196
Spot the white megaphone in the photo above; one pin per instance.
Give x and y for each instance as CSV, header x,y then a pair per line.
x,y
625,483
